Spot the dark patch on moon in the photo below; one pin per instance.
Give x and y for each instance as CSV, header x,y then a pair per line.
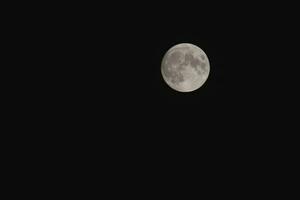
x,y
177,78
173,73
188,58
174,57
174,76
203,67
195,63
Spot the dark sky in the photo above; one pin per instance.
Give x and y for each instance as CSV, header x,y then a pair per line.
x,y
109,113
112,82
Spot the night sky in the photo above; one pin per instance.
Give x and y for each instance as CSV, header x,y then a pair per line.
x,y
102,111
113,90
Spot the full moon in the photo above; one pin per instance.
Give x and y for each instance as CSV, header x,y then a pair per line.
x,y
185,67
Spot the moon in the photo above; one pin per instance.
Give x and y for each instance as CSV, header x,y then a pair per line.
x,y
185,67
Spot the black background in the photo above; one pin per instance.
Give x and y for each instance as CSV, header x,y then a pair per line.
x,y
106,103
105,61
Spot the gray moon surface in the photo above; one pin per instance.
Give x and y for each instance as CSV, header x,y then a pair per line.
x,y
185,67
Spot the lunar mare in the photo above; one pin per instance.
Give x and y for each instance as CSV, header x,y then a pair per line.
x,y
185,67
